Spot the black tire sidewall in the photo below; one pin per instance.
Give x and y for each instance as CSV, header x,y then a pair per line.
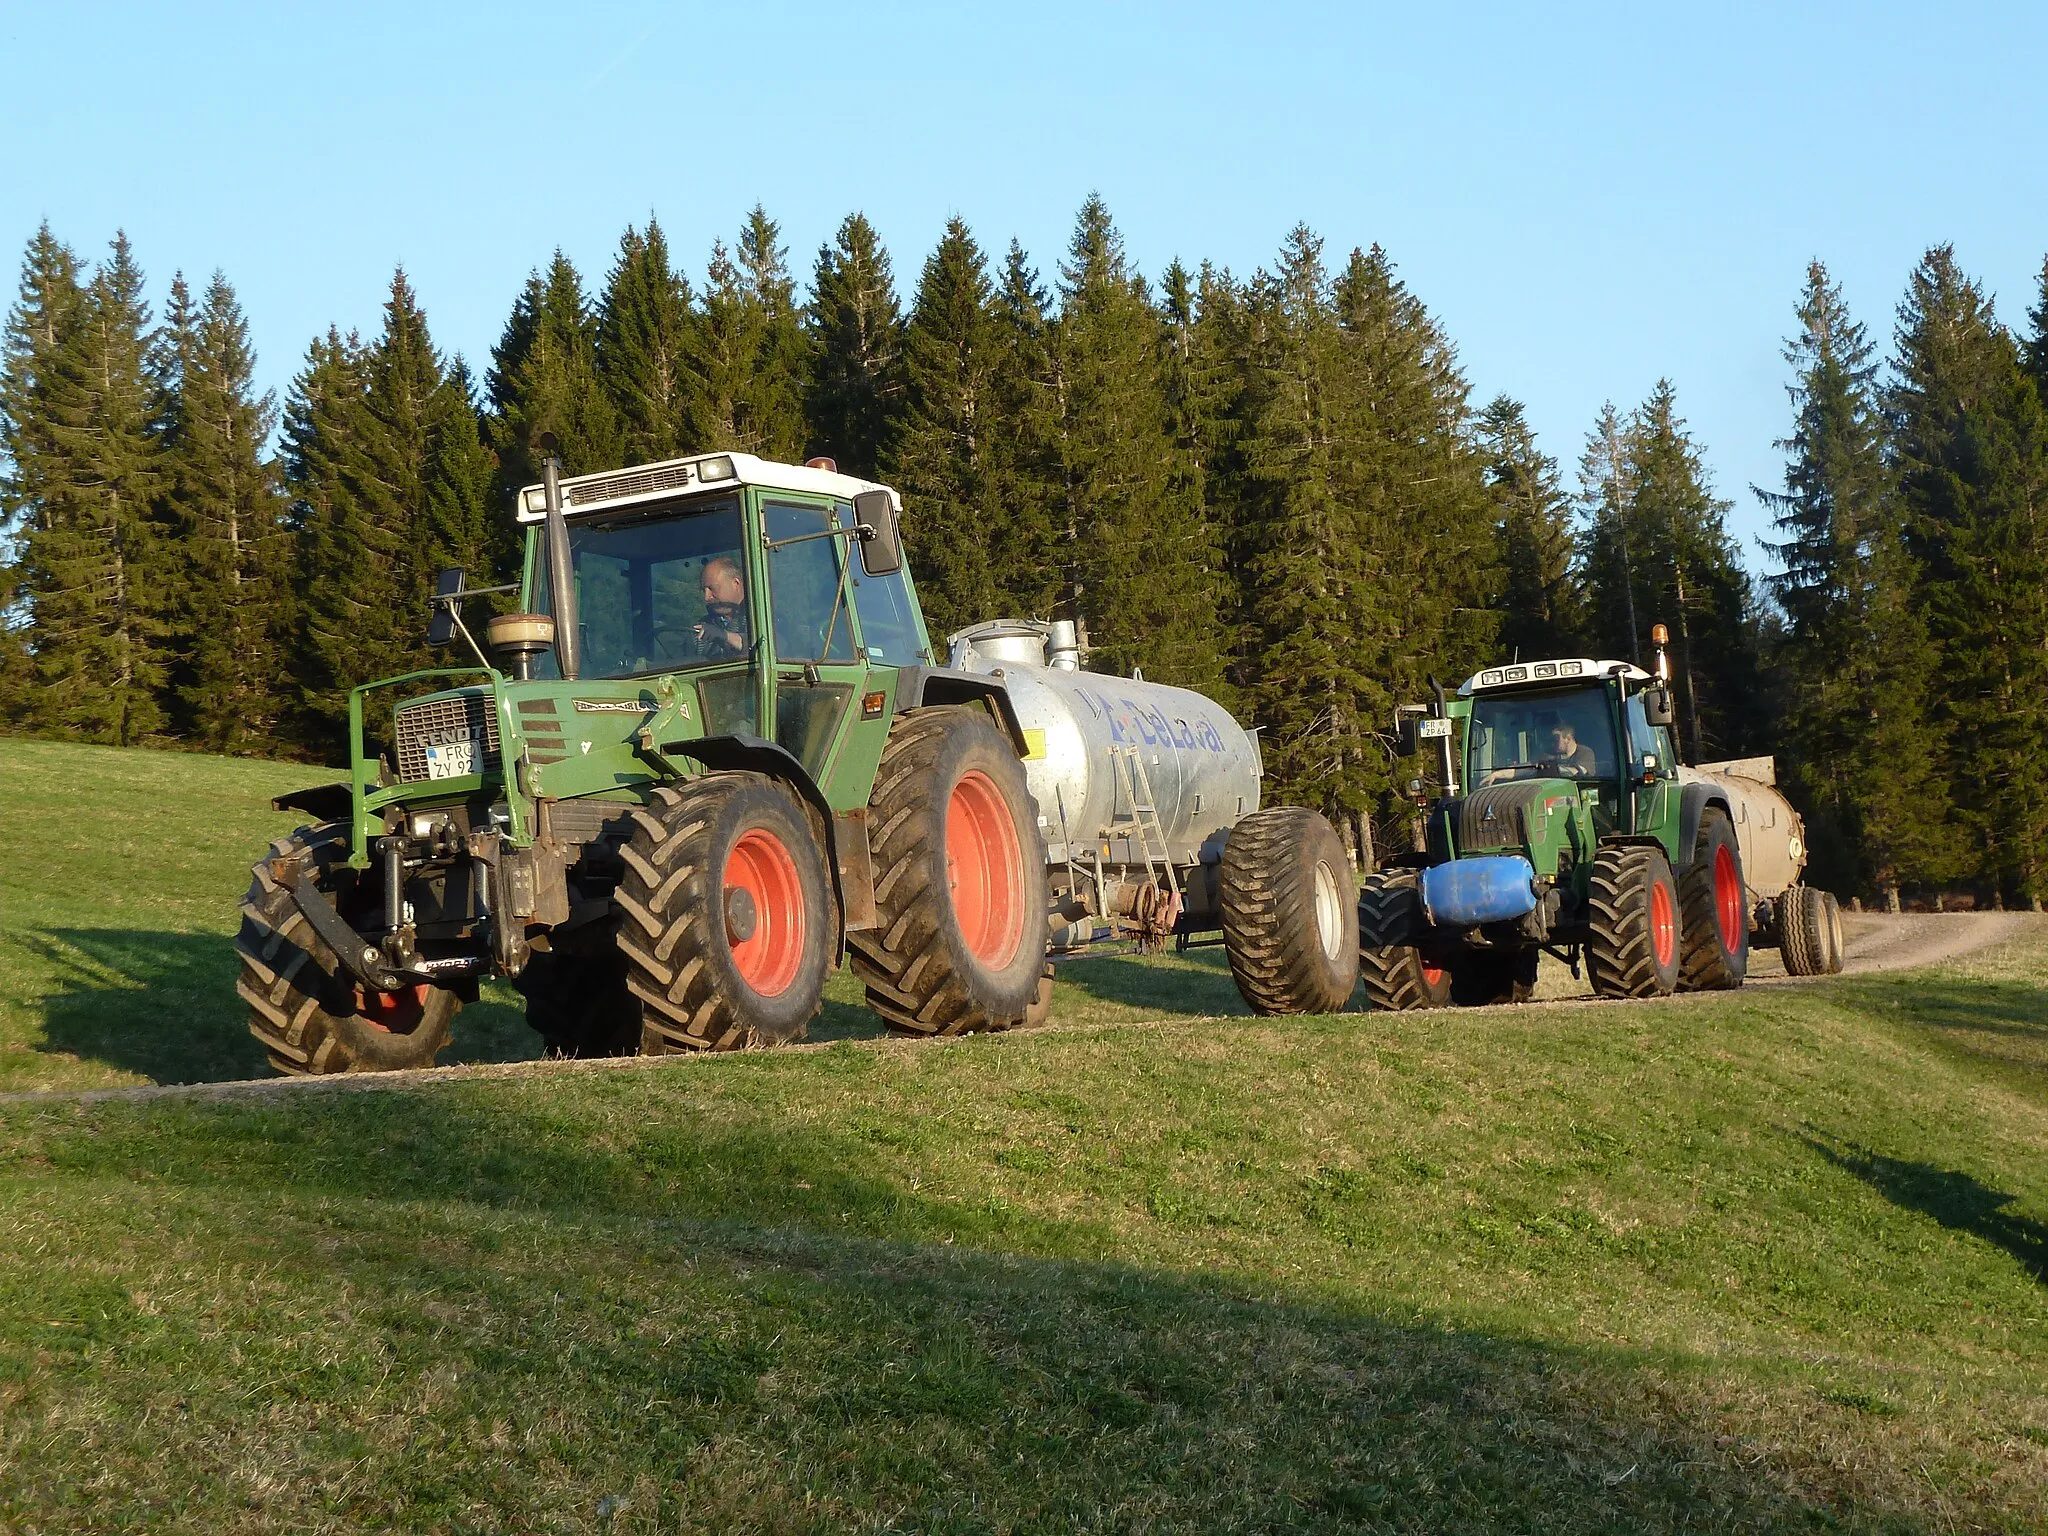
x,y
1701,902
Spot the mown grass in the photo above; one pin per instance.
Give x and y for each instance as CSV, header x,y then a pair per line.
x,y
1777,1260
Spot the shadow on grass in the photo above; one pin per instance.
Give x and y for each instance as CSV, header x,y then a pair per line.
x,y
745,1310
1197,983
163,1006
1998,1024
1956,1200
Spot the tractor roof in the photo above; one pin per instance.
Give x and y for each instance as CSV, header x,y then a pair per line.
x,y
583,494
1530,674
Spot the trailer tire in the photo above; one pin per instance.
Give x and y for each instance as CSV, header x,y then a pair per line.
x,y
1837,955
959,944
1715,910
1486,978
1632,943
725,915
1396,975
1281,888
307,1011
1802,931
577,999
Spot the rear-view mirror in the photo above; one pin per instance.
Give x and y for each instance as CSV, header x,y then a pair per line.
x,y
1657,705
1407,741
447,588
881,539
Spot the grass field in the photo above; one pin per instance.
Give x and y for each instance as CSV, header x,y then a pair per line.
x,y
1774,1260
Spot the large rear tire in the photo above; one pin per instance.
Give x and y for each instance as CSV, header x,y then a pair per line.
x,y
1632,946
1802,931
576,995
1396,975
726,915
959,945
304,1007
1715,910
1284,888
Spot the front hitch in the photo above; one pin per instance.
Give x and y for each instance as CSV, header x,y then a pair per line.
x,y
367,963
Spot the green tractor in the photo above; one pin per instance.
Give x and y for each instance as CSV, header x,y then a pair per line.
x,y
1566,825
710,755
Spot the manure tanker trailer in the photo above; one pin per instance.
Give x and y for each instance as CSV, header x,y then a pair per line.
x,y
1149,808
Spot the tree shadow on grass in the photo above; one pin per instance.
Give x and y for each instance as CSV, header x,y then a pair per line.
x,y
1195,983
1956,1200
163,1006
752,1319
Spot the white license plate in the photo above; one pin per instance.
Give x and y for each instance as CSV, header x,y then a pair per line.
x,y
1434,727
451,759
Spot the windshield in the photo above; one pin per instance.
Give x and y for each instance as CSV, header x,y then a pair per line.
x,y
1555,733
655,591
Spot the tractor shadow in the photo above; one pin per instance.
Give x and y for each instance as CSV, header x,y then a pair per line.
x,y
1106,988
1952,1198
162,1006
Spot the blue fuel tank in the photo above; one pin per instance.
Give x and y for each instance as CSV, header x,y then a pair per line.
x,y
1467,892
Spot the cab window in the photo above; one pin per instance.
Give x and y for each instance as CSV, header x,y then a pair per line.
x,y
811,618
1647,740
888,623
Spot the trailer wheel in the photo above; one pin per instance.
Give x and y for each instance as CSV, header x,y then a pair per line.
x,y
1802,931
1837,953
306,1009
726,915
1395,974
1484,978
1715,910
1632,941
576,995
1283,889
959,880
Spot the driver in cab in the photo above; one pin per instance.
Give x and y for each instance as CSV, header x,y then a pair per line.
x,y
723,631
1569,758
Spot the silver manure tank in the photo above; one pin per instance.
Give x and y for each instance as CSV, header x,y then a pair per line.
x,y
1094,739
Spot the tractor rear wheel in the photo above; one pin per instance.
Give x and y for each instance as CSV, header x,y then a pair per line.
x,y
1632,946
1483,978
576,995
959,944
1803,931
307,1010
1284,888
1715,910
725,915
1395,974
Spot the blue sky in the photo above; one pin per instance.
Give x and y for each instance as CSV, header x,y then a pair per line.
x,y
1590,197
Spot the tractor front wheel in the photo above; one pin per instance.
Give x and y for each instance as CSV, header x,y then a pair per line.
x,y
1395,974
1715,910
959,944
1632,945
310,1014
725,915
1284,887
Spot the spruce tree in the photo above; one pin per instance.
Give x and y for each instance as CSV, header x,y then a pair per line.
x,y
856,349
94,554
544,378
320,421
645,337
751,355
227,508
940,458
1028,541
1540,601
1608,546
467,524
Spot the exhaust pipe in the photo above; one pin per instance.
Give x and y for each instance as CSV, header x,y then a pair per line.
x,y
561,571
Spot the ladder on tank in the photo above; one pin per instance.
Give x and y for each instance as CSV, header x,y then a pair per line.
x,y
1134,792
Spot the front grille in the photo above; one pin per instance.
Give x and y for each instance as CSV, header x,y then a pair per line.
x,y
431,720
620,487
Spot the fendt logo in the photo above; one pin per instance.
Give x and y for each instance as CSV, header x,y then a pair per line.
x,y
448,736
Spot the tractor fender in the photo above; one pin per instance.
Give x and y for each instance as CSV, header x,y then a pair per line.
x,y
924,687
853,884
1692,805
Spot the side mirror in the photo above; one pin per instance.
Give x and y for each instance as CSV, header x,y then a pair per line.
x,y
447,591
881,540
1407,736
1657,705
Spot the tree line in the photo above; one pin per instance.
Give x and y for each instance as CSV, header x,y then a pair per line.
x,y
1276,488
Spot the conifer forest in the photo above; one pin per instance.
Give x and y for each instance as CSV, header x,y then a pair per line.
x,y
1280,488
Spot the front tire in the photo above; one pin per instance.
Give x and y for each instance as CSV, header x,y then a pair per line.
x,y
1715,909
308,1012
960,899
726,915
577,999
1284,882
1632,944
1396,975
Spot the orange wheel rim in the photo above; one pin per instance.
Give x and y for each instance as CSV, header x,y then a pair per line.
x,y
768,958
1663,924
1432,975
396,1013
985,870
1728,899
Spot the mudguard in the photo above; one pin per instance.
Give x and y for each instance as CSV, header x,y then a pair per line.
x,y
922,687
1692,805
